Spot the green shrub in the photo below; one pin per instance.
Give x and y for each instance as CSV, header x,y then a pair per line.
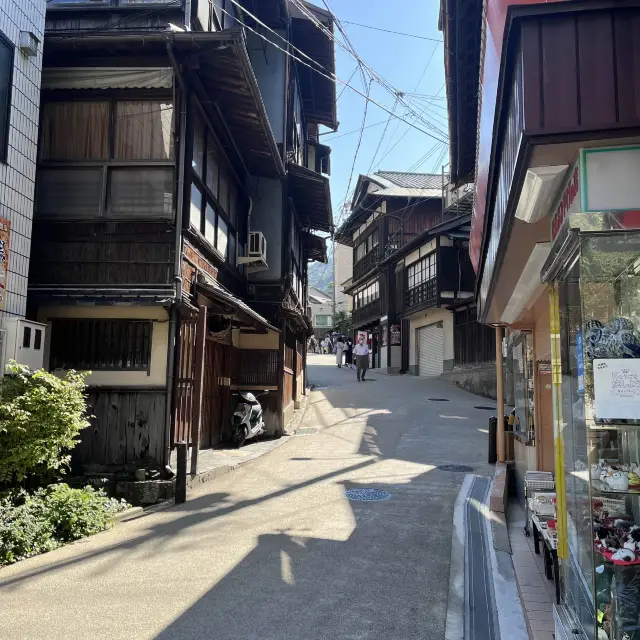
x,y
41,416
35,523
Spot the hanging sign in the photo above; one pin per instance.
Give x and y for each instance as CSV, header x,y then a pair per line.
x,y
5,226
616,388
568,202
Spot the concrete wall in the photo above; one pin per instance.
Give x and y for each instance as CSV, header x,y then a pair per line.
x,y
321,309
269,340
17,176
478,378
342,270
266,216
269,65
157,376
424,318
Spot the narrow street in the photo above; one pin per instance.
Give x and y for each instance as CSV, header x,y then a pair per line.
x,y
275,550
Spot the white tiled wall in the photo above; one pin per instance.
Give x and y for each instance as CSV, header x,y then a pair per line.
x,y
18,175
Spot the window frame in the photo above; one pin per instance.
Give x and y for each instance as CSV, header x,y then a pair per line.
x,y
211,197
91,331
106,166
5,121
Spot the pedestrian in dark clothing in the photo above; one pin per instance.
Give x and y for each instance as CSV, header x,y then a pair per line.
x,y
348,354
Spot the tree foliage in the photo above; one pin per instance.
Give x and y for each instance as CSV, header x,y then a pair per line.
x,y
41,416
342,321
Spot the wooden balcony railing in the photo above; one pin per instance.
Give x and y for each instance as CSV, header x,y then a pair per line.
x,y
368,312
364,265
425,292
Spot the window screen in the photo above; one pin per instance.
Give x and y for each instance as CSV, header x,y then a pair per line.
x,y
101,345
139,193
75,131
6,71
143,130
75,193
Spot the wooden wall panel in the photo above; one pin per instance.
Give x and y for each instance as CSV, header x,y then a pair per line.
x,y
626,27
596,71
559,77
127,426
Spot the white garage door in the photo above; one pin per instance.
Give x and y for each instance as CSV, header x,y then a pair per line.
x,y
430,350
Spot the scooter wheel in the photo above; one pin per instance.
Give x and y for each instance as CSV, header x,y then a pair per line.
x,y
239,436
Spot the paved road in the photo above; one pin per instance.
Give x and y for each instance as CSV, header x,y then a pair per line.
x,y
275,551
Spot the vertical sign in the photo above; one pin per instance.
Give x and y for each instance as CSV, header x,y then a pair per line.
x,y
5,226
580,359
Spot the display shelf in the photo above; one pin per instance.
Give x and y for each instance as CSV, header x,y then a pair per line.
x,y
600,487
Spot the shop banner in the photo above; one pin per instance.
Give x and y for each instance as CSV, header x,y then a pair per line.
x,y
5,229
396,340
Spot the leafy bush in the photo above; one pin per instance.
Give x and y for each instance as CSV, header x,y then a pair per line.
x,y
35,523
40,417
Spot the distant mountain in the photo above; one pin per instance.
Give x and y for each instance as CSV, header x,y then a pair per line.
x,y
321,275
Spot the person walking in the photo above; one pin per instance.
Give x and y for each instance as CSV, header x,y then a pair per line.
x,y
323,346
339,350
348,354
361,352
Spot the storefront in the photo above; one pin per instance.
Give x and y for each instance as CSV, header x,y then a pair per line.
x,y
593,272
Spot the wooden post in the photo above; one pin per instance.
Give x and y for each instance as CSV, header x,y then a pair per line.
x,y
201,336
295,370
500,395
181,473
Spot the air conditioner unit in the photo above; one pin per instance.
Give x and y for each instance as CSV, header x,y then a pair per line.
x,y
23,341
28,44
256,258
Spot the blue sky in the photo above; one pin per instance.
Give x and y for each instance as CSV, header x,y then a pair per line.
x,y
401,61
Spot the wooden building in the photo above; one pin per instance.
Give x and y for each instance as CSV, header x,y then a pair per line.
x,y
180,182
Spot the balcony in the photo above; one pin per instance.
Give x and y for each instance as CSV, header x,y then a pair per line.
x,y
364,265
426,293
367,313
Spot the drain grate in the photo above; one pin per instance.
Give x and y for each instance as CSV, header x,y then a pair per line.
x,y
485,408
439,399
367,495
455,468
307,431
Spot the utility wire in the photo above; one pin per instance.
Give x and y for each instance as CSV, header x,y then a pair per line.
x,y
397,33
329,75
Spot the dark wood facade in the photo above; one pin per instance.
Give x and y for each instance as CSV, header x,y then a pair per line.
x,y
187,256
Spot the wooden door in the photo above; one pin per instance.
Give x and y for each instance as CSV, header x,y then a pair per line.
x,y
216,400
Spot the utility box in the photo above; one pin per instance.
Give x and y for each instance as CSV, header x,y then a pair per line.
x,y
22,341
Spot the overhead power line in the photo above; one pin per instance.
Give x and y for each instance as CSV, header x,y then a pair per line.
x,y
328,75
397,33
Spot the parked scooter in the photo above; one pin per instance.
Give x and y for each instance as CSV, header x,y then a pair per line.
x,y
247,420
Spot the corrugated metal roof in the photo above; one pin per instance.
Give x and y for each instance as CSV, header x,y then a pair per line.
x,y
412,180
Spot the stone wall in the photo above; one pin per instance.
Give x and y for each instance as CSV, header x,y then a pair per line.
x,y
479,379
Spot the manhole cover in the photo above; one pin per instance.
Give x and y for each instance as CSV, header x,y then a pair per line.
x,y
454,468
367,495
485,408
307,431
439,399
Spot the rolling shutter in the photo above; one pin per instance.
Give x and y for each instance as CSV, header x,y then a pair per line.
x,y
430,351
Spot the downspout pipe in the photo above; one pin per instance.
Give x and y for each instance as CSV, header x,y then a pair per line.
x,y
177,278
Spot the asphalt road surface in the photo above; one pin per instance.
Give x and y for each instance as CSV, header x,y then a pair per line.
x,y
276,550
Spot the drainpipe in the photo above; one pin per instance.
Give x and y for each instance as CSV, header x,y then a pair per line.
x,y
500,396
173,321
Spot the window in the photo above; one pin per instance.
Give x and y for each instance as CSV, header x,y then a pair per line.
x,y
323,321
6,73
197,161
195,212
367,295
75,131
215,197
421,271
222,238
37,340
26,338
101,345
143,130
95,141
209,223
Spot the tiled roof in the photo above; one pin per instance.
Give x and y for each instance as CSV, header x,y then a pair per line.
x,y
413,180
